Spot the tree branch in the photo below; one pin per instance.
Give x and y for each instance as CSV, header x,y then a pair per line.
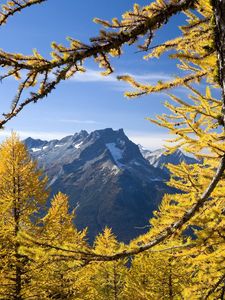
x,y
165,234
14,6
99,49
101,46
212,290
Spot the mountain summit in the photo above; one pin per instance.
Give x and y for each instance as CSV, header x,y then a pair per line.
x,y
106,177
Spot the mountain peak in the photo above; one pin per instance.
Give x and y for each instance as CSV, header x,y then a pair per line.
x,y
106,173
159,158
34,143
82,133
109,131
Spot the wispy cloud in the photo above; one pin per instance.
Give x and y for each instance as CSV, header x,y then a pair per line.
x,y
95,76
75,121
149,77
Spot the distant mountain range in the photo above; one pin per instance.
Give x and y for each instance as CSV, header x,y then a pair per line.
x,y
110,180
159,158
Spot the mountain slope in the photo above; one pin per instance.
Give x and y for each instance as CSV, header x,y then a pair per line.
x,y
159,158
107,178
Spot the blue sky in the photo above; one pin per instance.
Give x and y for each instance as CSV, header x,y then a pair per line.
x,y
87,101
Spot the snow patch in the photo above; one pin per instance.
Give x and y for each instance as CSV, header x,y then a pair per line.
x,y
156,179
122,143
115,170
36,149
59,145
77,146
116,153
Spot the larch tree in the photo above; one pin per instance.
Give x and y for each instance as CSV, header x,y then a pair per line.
x,y
107,278
198,122
158,274
22,194
55,275
41,75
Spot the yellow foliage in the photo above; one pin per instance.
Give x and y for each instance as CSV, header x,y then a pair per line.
x,y
22,195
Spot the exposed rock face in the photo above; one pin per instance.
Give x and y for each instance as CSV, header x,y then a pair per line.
x,y
107,178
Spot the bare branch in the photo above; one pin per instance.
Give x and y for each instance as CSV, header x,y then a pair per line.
x,y
34,97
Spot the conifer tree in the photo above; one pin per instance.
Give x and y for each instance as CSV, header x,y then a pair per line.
x,y
203,257
22,194
107,278
57,276
157,275
197,122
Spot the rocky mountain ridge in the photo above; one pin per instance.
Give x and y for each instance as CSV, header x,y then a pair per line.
x,y
107,178
159,158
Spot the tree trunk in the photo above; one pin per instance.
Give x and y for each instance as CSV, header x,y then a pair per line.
x,y
170,284
222,295
219,31
16,209
115,281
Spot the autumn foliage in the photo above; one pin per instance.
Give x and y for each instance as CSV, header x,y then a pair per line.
x,y
42,254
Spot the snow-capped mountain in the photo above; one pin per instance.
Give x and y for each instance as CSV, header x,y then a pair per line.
x,y
159,158
106,177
